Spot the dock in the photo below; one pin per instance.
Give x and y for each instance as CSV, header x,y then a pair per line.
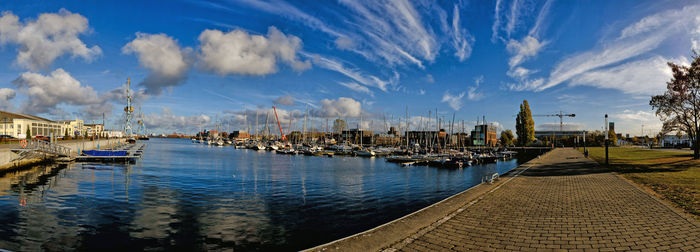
x,y
560,201
125,153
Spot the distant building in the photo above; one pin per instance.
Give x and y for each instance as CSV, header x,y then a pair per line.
x,y
556,133
353,136
94,129
75,127
113,133
484,135
240,134
673,141
16,125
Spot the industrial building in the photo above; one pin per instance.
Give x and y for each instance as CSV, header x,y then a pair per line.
x,y
484,135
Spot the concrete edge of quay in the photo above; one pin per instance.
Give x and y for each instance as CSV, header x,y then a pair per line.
x,y
6,155
398,232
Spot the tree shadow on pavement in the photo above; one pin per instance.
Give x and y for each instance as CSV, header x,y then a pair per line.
x,y
568,168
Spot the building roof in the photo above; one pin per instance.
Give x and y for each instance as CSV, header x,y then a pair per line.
x,y
5,114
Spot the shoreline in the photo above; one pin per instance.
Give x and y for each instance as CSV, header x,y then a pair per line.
x,y
395,231
6,154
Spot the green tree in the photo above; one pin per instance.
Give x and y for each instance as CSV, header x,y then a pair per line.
x,y
67,133
679,106
612,137
29,133
507,137
524,125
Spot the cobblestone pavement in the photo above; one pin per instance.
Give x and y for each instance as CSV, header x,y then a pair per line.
x,y
566,203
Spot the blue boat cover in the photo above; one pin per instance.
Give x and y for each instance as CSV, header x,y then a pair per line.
x,y
100,153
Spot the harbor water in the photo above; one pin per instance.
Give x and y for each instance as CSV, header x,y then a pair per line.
x,y
188,196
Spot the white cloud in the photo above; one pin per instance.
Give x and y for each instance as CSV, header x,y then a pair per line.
x,y
647,76
44,93
342,107
356,87
429,78
286,100
287,10
43,40
540,21
527,84
394,31
636,39
521,50
421,92
461,39
472,93
167,121
520,73
6,96
163,57
630,121
367,80
496,21
513,17
238,52
344,43
454,101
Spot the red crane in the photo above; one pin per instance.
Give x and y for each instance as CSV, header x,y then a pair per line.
x,y
278,124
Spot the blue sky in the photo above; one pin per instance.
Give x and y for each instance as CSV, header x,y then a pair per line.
x,y
193,62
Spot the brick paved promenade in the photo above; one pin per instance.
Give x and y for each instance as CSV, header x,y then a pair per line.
x,y
567,203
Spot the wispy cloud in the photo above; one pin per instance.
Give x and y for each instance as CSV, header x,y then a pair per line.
x,y
647,76
356,87
472,93
636,39
454,101
496,22
356,75
513,17
289,11
461,39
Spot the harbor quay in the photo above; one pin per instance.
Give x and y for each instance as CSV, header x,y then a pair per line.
x,y
558,201
10,159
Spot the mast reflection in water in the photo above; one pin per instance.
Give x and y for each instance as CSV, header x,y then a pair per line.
x,y
194,197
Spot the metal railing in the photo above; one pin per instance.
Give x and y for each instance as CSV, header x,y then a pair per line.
x,y
44,146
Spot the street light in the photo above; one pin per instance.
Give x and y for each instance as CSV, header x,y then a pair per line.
x,y
606,139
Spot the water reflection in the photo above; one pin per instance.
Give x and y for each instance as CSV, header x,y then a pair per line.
x,y
195,197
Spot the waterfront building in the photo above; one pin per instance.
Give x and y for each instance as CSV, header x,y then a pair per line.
x,y
239,134
16,125
75,128
484,135
353,136
114,133
94,129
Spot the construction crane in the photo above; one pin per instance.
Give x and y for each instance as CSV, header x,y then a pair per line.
x,y
561,116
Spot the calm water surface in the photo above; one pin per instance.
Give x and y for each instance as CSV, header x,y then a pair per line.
x,y
189,196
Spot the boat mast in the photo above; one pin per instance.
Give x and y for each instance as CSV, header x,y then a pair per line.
x,y
303,134
406,128
128,109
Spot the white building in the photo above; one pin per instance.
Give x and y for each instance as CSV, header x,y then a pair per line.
x,y
675,141
114,133
16,125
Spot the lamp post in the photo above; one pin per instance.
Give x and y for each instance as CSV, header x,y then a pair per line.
x,y
606,139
